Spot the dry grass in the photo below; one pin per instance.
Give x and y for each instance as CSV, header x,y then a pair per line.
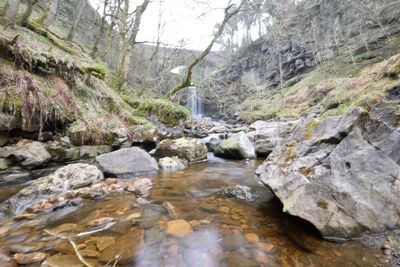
x,y
329,86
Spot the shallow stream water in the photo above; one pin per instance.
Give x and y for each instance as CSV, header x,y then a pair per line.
x,y
218,236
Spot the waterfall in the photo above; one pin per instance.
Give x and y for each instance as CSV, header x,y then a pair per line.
x,y
195,102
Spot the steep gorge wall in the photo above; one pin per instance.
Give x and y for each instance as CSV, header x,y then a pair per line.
x,y
317,32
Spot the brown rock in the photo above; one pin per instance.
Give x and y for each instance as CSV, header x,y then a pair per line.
x,y
224,209
266,247
60,260
6,261
66,227
102,221
131,245
252,238
89,253
104,242
260,257
30,257
179,228
25,216
173,212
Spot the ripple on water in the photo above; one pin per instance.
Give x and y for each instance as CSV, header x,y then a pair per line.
x,y
223,232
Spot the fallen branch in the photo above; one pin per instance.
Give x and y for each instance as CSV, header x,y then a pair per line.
x,y
79,235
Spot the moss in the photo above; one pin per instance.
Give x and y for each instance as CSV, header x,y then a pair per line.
x,y
394,70
307,171
76,127
98,70
169,113
322,204
134,103
135,120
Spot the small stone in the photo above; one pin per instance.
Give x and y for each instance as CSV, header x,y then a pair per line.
x,y
260,257
252,238
385,246
59,260
194,223
104,242
69,195
66,227
90,253
224,209
54,200
30,257
102,221
179,228
25,216
265,247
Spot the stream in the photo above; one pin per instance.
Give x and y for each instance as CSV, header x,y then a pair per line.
x,y
225,232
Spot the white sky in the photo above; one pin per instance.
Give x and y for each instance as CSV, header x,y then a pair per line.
x,y
183,19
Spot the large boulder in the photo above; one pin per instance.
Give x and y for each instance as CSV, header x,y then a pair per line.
x,y
125,162
27,154
67,178
341,174
172,163
190,149
264,135
238,146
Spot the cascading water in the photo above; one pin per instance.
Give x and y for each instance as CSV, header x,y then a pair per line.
x,y
196,102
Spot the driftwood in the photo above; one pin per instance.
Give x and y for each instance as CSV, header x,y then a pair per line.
x,y
71,240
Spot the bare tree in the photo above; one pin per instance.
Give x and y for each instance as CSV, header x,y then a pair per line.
x,y
11,15
51,12
77,17
127,44
28,12
187,80
102,29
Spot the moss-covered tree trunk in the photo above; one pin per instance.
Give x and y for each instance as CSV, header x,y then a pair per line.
x,y
28,12
51,12
11,15
128,45
77,17
4,9
95,48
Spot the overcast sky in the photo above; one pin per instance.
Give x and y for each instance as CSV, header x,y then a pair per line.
x,y
190,20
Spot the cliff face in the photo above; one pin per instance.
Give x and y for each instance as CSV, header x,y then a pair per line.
x,y
318,32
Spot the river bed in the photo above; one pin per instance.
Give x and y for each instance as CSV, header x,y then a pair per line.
x,y
224,231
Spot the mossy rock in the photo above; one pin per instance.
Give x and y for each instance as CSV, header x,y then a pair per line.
x,y
168,113
394,70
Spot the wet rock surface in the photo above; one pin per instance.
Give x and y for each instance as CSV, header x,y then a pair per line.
x,y
238,146
240,192
189,149
127,162
28,154
67,178
172,163
341,174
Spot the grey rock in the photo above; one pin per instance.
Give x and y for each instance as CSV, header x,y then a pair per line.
x,y
132,161
240,192
70,177
172,163
341,174
3,138
93,151
238,146
29,155
265,135
213,140
11,177
190,149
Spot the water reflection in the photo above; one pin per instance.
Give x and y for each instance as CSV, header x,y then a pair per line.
x,y
185,223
